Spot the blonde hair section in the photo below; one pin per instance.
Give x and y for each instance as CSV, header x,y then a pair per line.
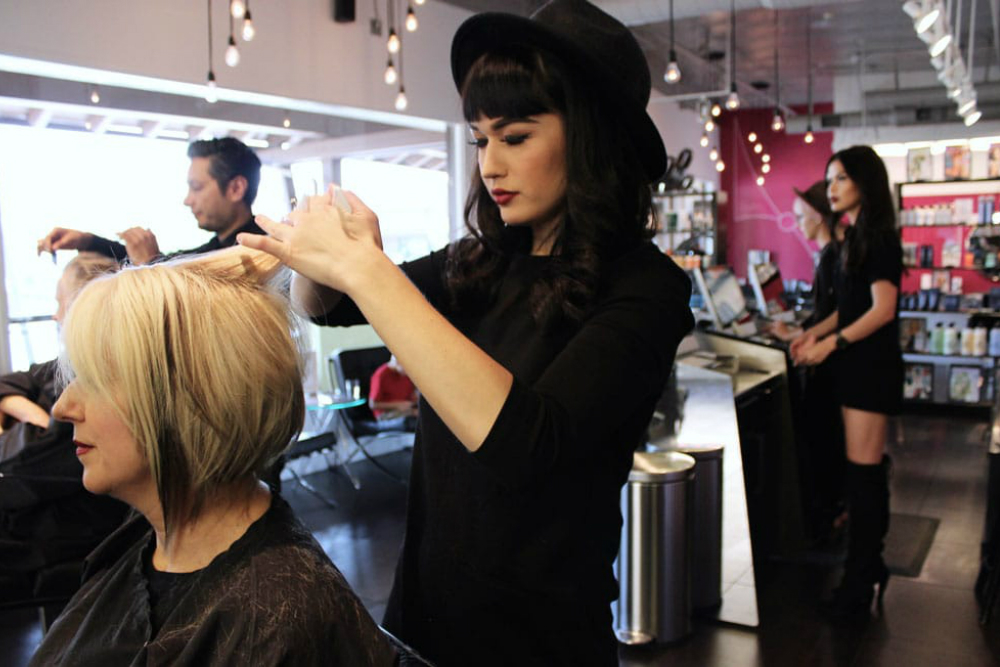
x,y
88,265
201,359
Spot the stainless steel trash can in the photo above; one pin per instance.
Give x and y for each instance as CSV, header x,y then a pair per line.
x,y
654,560
706,525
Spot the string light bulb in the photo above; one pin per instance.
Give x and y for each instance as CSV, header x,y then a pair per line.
x,y
777,122
713,154
401,101
758,149
765,168
709,125
211,94
232,53
716,110
704,141
760,180
393,43
720,166
237,8
765,158
752,137
249,31
411,20
390,73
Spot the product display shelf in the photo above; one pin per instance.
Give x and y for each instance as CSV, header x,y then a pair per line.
x,y
950,226
943,378
687,223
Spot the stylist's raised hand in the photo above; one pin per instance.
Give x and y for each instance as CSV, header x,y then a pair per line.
x,y
320,241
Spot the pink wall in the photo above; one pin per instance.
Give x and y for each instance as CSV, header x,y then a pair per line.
x,y
761,217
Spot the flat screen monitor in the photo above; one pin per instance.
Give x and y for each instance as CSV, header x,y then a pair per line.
x,y
765,279
723,295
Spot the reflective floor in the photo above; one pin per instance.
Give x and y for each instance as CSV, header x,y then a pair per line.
x,y
940,471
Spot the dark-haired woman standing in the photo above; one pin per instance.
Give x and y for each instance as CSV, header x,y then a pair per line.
x,y
539,343
863,336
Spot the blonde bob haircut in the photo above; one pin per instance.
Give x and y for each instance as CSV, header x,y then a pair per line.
x,y
199,355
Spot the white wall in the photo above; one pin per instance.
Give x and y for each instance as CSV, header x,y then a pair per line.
x,y
680,129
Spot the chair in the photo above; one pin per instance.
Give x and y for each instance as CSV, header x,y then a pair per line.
x,y
361,364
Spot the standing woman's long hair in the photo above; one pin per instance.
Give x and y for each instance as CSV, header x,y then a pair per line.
x,y
608,206
876,223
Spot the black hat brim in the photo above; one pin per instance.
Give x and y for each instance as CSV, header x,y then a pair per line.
x,y
491,31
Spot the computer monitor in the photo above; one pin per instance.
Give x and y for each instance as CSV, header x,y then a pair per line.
x,y
722,294
765,279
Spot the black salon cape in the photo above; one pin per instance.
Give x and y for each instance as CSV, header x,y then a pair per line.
x,y
273,598
508,553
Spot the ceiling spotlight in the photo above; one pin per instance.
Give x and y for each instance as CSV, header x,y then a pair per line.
x,y
713,154
938,47
967,106
752,137
924,23
973,118
703,141
716,110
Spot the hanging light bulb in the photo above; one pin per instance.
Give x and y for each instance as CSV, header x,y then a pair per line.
x,y
765,158
95,96
733,101
393,43
720,166
765,168
709,125
704,141
401,99
249,31
237,8
809,138
390,73
760,180
287,122
211,95
777,122
713,154
411,20
232,53
673,73
752,137
758,149
716,110
420,2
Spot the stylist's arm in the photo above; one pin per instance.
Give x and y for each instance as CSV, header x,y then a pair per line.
x,y
336,252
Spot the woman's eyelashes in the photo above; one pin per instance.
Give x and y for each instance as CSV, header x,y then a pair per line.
x,y
509,139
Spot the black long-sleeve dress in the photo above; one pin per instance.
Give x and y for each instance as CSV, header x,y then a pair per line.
x,y
509,550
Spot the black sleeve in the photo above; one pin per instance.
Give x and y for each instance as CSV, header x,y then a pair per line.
x,y
427,273
108,248
35,384
608,376
884,261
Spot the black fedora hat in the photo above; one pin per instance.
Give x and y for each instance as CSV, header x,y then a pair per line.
x,y
587,37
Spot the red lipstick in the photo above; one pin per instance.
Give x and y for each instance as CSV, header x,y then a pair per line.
x,y
81,448
502,197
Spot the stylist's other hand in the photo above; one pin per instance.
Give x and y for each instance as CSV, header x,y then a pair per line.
x,y
803,341
320,241
815,354
140,244
61,238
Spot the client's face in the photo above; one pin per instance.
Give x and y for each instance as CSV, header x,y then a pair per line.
x,y
112,462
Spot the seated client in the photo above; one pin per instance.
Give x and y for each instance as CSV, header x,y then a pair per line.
x,y
185,385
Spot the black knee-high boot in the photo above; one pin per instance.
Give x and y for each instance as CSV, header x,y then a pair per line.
x,y
864,569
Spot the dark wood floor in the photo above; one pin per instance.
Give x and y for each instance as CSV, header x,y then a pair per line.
x,y
940,471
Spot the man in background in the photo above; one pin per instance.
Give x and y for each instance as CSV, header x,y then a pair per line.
x,y
222,185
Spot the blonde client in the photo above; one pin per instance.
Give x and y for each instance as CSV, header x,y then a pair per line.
x,y
185,385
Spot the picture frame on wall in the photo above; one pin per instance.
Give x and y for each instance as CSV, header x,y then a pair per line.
x,y
941,279
919,165
918,382
957,162
964,383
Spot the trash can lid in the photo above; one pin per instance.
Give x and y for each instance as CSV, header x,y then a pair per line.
x,y
660,467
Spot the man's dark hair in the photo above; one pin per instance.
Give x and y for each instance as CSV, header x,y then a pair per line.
x,y
229,158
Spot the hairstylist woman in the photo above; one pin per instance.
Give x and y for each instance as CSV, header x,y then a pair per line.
x,y
863,337
539,343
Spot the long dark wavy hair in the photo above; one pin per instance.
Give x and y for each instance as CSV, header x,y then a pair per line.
x,y
608,202
876,223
